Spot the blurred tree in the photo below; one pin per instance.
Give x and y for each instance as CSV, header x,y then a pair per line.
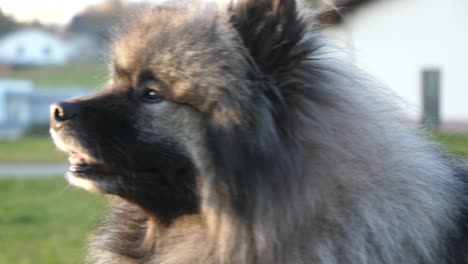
x,y
332,11
7,23
101,21
97,21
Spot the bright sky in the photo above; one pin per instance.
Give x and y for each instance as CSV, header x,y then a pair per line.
x,y
47,11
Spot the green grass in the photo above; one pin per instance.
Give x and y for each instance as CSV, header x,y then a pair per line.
x,y
30,149
41,149
44,222
457,143
91,75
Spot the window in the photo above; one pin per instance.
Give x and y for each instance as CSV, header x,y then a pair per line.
x,y
20,50
46,50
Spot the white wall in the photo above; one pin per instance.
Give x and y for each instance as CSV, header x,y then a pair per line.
x,y
32,47
394,40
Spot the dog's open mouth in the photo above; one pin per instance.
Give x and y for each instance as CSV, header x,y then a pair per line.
x,y
82,164
85,172
79,163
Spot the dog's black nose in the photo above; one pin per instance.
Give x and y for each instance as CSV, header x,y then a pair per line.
x,y
63,111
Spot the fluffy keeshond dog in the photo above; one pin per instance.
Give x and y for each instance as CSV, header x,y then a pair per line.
x,y
230,135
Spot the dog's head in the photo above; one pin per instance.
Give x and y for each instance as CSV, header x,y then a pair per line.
x,y
193,92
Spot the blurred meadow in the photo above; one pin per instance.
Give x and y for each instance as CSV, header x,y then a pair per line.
x,y
33,149
44,221
87,75
457,143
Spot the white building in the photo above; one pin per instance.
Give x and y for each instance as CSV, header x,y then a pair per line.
x,y
32,47
396,40
22,106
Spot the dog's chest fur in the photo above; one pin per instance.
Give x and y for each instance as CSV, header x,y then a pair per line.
x,y
130,237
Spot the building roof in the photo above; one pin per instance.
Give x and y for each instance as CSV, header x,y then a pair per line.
x,y
348,3
335,14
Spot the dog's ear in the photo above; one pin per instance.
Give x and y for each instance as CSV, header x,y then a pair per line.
x,y
269,29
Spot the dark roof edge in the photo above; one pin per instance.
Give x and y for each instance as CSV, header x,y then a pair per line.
x,y
335,14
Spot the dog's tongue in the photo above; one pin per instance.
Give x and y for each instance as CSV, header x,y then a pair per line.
x,y
77,163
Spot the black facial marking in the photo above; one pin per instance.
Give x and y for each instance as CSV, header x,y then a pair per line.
x,y
155,173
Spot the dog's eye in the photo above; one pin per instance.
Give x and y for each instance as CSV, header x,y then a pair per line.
x,y
151,96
